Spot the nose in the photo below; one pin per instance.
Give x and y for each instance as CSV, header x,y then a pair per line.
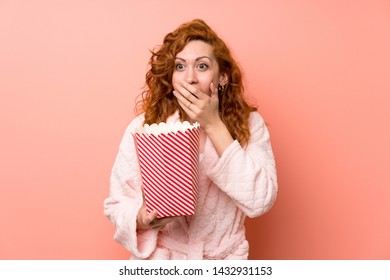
x,y
190,76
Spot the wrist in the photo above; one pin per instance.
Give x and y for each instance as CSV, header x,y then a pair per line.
x,y
214,126
219,135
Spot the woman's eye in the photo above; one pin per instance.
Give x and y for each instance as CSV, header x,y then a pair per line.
x,y
203,66
179,66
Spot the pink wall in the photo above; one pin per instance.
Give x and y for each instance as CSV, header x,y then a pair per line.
x,y
319,71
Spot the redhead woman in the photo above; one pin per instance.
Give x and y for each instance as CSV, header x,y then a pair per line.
x,y
193,77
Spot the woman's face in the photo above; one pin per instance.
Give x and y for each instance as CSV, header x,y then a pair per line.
x,y
197,65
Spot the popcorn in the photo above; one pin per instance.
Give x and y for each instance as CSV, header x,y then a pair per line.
x,y
169,161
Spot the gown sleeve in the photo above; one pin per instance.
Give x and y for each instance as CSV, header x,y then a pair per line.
x,y
248,176
125,199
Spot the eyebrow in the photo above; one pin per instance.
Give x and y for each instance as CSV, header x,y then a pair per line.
x,y
197,59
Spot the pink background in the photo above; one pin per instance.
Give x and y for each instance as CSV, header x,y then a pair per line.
x,y
319,71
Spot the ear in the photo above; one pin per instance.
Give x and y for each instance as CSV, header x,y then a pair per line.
x,y
223,79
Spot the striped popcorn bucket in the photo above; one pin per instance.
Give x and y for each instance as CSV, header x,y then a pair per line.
x,y
169,161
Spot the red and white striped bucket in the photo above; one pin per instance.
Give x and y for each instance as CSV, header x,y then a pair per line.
x,y
169,162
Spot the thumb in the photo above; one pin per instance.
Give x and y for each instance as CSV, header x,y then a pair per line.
x,y
152,215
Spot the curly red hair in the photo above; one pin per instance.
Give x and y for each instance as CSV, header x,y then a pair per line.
x,y
158,101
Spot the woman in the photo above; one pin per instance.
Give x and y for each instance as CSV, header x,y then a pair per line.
x,y
193,77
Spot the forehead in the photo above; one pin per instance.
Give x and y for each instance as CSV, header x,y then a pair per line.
x,y
196,48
